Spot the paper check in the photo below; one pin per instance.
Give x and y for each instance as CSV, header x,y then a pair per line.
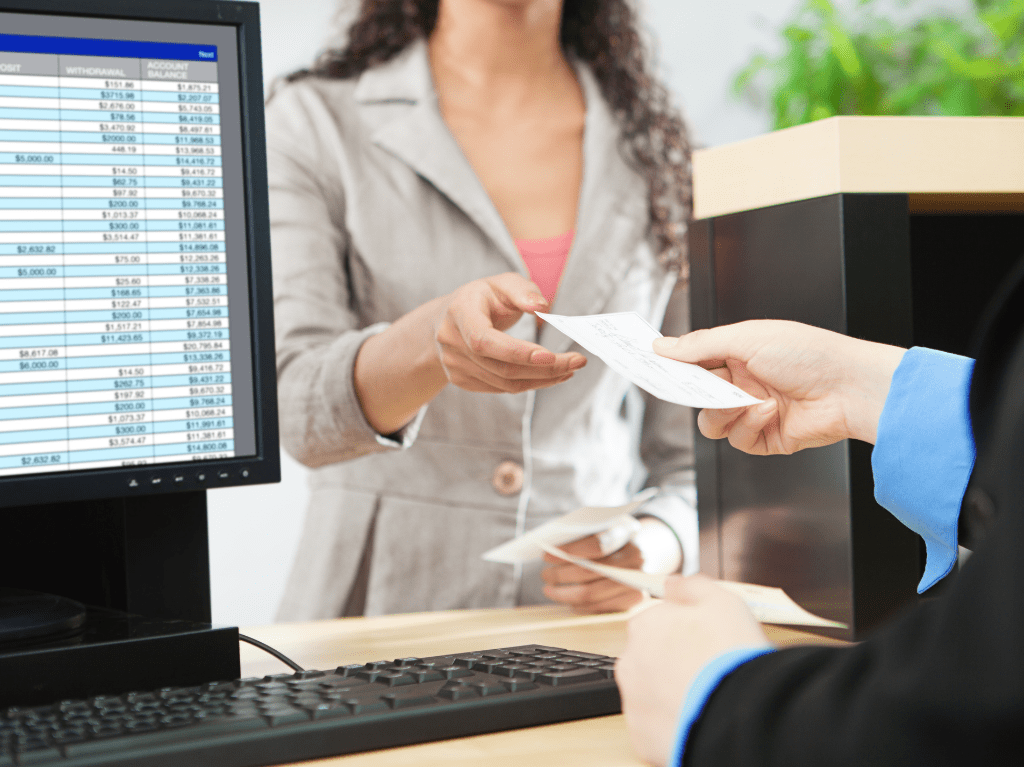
x,y
587,520
623,341
769,605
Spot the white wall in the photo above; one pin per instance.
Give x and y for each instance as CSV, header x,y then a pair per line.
x,y
701,45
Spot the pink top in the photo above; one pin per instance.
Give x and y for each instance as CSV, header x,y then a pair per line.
x,y
545,259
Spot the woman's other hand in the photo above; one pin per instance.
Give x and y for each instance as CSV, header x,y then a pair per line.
x,y
475,352
584,590
818,387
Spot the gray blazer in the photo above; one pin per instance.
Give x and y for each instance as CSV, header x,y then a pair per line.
x,y
375,210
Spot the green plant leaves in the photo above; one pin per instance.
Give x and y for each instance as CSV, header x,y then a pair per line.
x,y
861,62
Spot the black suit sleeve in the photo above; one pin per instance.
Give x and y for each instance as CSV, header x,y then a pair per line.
x,y
942,685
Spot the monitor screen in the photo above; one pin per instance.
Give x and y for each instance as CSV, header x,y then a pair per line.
x,y
135,334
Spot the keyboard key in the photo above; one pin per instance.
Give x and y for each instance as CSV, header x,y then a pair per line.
x,y
268,688
427,676
342,693
357,706
406,661
308,674
519,685
394,679
330,710
142,725
526,672
608,671
557,678
349,670
275,717
487,666
105,731
489,688
71,736
339,682
457,692
306,700
407,699
455,672
175,720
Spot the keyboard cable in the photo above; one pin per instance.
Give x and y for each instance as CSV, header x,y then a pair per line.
x,y
267,648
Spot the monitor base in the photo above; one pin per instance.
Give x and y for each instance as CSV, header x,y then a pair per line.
x,y
29,617
116,653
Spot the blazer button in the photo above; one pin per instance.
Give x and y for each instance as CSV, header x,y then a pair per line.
x,y
508,478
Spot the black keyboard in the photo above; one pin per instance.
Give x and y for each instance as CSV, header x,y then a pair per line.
x,y
311,714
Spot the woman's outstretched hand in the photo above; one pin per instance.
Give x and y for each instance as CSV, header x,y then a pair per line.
x,y
477,355
818,387
459,339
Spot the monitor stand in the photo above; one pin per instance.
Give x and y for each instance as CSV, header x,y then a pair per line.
x,y
30,617
141,568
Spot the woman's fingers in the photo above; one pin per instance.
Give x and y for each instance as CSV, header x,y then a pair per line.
x,y
478,355
562,364
560,572
467,374
602,595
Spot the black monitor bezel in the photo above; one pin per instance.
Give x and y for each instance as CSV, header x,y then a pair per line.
x,y
265,466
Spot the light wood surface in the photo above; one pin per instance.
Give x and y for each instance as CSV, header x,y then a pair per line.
x,y
599,742
944,163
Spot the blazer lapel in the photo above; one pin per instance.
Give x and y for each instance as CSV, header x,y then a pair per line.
x,y
418,136
610,222
612,209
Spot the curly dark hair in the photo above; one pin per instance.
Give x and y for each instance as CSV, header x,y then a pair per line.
x,y
601,33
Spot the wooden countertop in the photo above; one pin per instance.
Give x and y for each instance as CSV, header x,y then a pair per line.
x,y
599,742
946,164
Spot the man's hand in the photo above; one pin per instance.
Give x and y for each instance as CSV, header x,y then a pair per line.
x,y
819,387
477,355
666,647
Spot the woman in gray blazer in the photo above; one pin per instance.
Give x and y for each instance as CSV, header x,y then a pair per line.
x,y
409,173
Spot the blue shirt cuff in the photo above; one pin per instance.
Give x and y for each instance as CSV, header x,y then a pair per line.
x,y
924,452
703,685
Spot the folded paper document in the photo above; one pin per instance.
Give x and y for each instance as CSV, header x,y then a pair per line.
x,y
587,520
623,341
769,605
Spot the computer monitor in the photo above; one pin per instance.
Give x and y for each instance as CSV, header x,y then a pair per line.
x,y
136,331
